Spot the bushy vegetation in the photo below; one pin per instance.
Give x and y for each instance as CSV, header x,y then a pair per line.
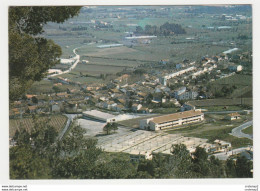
x,y
40,155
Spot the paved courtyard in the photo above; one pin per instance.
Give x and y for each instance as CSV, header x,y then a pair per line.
x,y
139,141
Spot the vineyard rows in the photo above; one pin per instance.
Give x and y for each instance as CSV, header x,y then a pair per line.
x,y
57,121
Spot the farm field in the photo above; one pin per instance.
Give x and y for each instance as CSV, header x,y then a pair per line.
x,y
97,69
75,76
176,48
57,121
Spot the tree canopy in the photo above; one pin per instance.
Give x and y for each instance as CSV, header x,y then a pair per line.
x,y
31,55
166,29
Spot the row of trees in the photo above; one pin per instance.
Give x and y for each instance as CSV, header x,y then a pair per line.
x,y
166,29
40,155
109,127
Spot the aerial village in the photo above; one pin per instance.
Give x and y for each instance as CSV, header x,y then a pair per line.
x,y
145,109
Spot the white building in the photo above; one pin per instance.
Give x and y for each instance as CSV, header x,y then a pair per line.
x,y
163,80
235,68
184,94
172,120
136,107
101,116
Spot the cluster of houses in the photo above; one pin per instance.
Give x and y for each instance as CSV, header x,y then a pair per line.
x,y
123,94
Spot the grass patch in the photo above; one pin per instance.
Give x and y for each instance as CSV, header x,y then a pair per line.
x,y
186,129
222,102
248,130
237,79
228,108
165,110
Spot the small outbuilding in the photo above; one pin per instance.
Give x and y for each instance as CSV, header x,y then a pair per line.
x,y
233,116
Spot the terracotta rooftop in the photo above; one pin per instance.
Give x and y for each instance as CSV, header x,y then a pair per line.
x,y
32,107
234,114
176,116
28,96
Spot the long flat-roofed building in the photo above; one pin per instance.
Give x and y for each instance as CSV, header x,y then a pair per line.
x,y
172,120
99,115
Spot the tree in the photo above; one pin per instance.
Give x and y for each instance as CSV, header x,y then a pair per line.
x,y
27,164
107,128
30,56
116,168
159,161
56,89
22,137
34,99
230,168
216,167
74,156
139,29
179,163
146,166
200,155
74,142
114,126
243,167
30,158
200,164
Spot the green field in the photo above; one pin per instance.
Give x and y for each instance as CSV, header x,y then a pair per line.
x,y
248,130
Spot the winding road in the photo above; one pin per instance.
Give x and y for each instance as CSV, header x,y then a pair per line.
x,y
237,132
76,58
225,155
